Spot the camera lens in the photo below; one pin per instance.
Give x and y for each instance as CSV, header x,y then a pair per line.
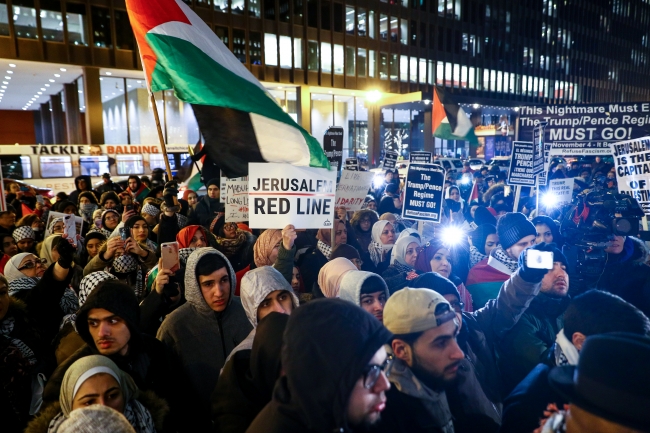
x,y
622,226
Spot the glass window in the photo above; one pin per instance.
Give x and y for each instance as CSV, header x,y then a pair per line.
x,y
440,74
101,22
394,29
239,44
297,53
414,33
55,166
326,57
326,15
371,63
371,24
51,20
338,59
123,31
423,70
4,20
220,5
350,61
404,31
158,161
297,11
448,74
349,20
431,75
26,164
76,16
394,67
413,69
403,68
285,52
361,62
312,13
338,17
383,66
114,110
255,48
180,123
254,8
270,49
362,24
93,165
383,27
463,77
237,7
129,164
24,19
284,12
222,33
312,55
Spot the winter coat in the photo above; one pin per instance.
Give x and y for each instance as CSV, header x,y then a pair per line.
x,y
310,264
205,211
485,279
74,195
628,276
396,278
320,373
156,406
530,341
110,186
202,338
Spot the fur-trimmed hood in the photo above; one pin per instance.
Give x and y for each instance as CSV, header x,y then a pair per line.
x,y
493,190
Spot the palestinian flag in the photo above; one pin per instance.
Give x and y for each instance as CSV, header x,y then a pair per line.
x,y
450,122
239,119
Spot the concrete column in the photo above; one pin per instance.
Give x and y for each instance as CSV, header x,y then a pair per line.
x,y
428,132
303,107
46,123
58,120
374,123
72,114
93,94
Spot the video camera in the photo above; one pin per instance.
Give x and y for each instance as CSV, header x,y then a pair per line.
x,y
588,223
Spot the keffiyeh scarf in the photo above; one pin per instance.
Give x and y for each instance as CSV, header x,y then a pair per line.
x,y
101,230
6,328
135,413
23,232
565,352
325,249
230,247
499,254
377,250
475,256
127,264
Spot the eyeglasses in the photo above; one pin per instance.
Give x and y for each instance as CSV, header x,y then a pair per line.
x,y
112,218
32,264
373,371
457,306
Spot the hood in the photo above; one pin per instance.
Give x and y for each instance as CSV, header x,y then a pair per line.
x,y
88,182
326,346
257,284
351,286
193,293
634,250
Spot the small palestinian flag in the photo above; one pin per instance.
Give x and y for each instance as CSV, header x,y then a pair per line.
x,y
239,119
450,122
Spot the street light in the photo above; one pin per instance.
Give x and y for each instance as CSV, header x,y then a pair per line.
x,y
373,96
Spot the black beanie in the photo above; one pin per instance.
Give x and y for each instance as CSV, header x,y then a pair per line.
x,y
345,250
215,181
513,227
435,282
484,216
480,234
558,256
113,296
391,188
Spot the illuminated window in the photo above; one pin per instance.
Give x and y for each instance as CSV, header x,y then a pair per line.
x,y
326,57
338,59
55,166
270,49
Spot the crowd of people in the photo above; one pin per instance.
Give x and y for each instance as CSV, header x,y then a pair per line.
x,y
378,324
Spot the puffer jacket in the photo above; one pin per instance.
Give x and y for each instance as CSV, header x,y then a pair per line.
x,y
202,338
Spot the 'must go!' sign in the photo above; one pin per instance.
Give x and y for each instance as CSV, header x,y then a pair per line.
x,y
281,194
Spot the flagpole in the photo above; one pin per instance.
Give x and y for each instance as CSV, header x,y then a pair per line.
x,y
161,139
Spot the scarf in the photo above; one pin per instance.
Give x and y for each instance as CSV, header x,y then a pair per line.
x,y
23,232
6,328
264,245
376,248
69,302
325,249
399,251
331,275
565,352
86,211
101,230
503,257
475,256
135,413
230,247
126,265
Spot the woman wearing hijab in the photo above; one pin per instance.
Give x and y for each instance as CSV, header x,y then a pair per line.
x,y
453,193
95,379
312,261
330,276
190,197
92,244
436,257
383,239
362,222
402,263
110,219
35,222
56,226
482,240
235,243
25,239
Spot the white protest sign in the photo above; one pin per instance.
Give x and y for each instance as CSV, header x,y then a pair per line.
x,y
236,199
562,189
53,215
352,189
632,160
282,194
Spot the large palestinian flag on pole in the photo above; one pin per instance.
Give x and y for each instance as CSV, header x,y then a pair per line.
x,y
450,122
239,119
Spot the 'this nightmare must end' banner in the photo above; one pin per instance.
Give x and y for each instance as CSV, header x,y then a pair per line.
x,y
281,194
585,129
632,159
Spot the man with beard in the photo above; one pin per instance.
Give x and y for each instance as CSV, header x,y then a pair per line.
x,y
427,357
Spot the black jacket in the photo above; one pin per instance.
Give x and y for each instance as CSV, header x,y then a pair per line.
x,y
310,264
110,186
74,195
205,211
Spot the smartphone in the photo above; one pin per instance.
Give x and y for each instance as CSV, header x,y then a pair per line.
x,y
169,255
24,188
128,207
124,233
39,199
539,259
69,227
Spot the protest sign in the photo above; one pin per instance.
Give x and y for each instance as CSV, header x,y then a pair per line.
x,y
236,199
222,186
423,193
352,164
632,159
352,189
562,190
522,164
79,222
538,143
281,194
585,129
390,159
333,146
420,157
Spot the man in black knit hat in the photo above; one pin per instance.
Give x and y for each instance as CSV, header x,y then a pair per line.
x,y
208,206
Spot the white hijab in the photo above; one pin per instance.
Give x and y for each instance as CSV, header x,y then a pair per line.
x,y
377,228
11,268
399,251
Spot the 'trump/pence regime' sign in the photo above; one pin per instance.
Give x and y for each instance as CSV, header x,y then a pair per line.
x,y
423,193
281,194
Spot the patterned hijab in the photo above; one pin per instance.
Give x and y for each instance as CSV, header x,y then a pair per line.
x,y
265,245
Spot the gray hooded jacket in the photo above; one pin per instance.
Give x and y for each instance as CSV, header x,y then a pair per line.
x,y
200,337
351,286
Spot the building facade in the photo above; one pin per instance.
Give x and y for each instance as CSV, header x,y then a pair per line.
x,y
319,58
